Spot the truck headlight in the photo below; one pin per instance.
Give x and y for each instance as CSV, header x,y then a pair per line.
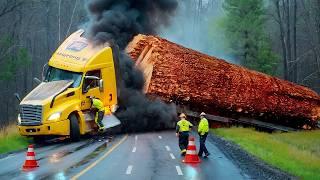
x,y
54,116
19,119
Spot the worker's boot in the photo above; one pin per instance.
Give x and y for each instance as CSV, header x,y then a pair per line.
x,y
183,152
101,129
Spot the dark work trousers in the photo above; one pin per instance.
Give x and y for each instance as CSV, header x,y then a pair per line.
x,y
203,147
99,118
183,140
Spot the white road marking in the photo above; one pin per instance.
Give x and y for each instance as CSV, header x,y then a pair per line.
x,y
136,137
172,156
160,137
168,148
100,159
179,170
129,169
134,149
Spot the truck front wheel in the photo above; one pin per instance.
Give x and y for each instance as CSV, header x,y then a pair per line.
x,y
74,128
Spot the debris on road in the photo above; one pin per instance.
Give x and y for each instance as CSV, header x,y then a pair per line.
x,y
205,83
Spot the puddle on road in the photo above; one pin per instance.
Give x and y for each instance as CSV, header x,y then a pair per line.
x,y
55,157
10,175
96,152
192,171
91,156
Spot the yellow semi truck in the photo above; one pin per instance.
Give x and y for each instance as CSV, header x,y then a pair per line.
x,y
60,104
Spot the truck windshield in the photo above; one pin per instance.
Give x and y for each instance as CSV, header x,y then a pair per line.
x,y
55,74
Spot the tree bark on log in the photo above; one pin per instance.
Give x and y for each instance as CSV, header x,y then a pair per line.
x,y
205,83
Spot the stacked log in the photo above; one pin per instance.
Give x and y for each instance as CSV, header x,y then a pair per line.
x,y
205,83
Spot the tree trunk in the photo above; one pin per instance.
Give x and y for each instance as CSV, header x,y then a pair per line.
x,y
172,73
288,38
283,41
295,65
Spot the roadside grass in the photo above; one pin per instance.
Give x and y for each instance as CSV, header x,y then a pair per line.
x,y
297,153
10,139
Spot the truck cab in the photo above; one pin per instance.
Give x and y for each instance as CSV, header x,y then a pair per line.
x,y
60,104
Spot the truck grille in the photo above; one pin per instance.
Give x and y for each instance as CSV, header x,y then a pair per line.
x,y
31,115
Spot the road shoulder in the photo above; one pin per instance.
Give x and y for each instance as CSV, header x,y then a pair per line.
x,y
250,165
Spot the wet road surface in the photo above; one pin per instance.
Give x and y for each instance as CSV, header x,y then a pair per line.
x,y
143,156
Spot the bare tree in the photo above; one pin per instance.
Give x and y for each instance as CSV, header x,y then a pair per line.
x,y
29,25
295,63
279,4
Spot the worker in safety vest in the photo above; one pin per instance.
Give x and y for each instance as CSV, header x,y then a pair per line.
x,y
98,105
182,131
203,130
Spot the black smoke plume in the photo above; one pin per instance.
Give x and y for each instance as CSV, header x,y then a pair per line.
x,y
119,21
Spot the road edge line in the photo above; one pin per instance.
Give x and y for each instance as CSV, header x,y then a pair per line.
x,y
100,159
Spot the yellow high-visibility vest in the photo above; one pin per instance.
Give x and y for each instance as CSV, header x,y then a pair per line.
x,y
98,104
184,125
203,126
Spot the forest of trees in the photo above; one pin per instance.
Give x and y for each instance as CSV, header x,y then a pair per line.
x,y
278,37
30,32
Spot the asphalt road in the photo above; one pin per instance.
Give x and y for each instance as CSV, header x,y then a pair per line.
x,y
136,156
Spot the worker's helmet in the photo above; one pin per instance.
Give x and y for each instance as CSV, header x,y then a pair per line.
x,y
182,115
202,114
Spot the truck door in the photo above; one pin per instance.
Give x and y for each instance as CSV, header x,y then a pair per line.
x,y
90,88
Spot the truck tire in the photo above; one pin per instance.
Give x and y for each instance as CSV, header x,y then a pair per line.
x,y
74,128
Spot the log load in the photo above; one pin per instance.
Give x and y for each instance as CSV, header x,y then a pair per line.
x,y
205,83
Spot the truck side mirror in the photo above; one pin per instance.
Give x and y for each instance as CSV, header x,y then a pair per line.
x,y
100,82
44,71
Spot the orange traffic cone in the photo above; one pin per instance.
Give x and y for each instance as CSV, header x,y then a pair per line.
x,y
31,161
191,155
